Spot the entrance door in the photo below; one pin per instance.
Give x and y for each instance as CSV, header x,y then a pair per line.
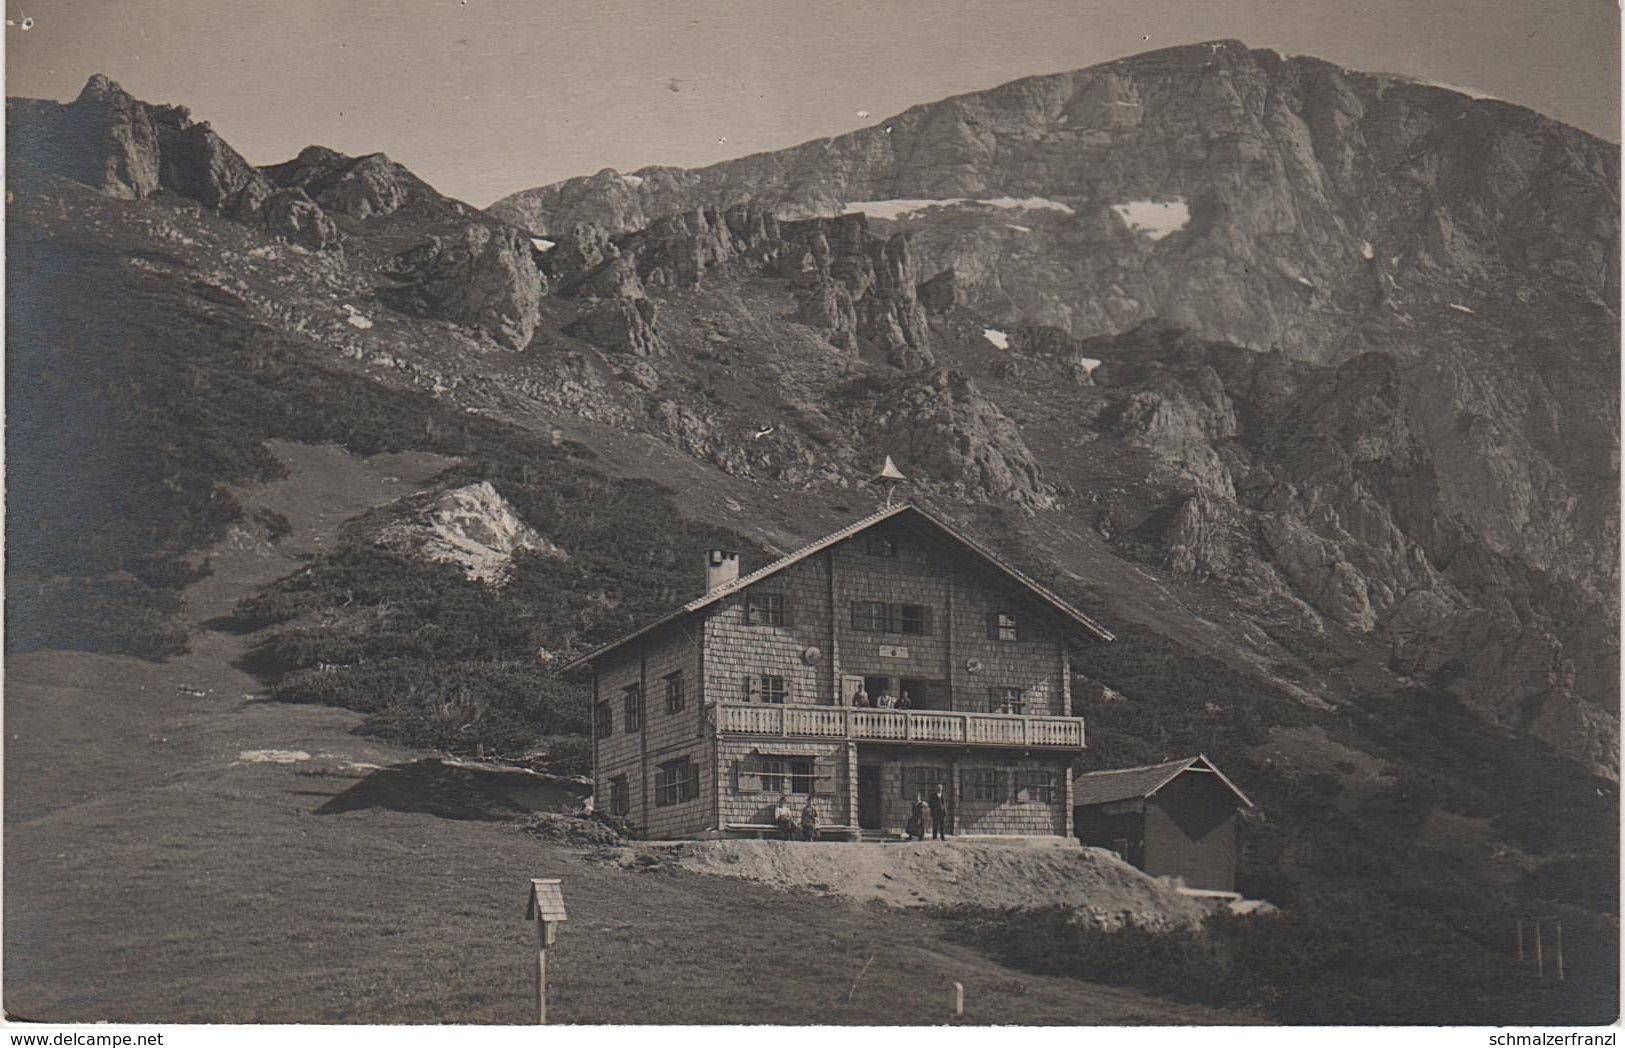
x,y
869,796
875,687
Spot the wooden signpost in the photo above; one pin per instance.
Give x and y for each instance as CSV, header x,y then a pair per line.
x,y
546,908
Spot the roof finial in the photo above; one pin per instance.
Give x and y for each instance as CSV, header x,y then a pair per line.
x,y
889,477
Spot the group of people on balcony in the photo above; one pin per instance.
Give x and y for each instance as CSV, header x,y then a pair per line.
x,y
883,701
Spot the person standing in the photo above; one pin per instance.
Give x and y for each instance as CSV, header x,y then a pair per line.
x,y
939,814
860,697
809,821
916,819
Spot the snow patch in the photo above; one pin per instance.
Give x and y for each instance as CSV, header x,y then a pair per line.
x,y
1306,282
272,756
542,246
1460,308
1367,252
997,338
1087,365
632,180
1018,229
355,318
895,209
1154,218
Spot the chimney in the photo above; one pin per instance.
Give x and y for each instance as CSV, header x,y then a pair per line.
x,y
721,568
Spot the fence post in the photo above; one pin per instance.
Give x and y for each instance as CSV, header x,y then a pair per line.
x,y
1559,951
1540,959
1520,940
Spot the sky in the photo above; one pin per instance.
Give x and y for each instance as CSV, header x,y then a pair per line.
x,y
486,97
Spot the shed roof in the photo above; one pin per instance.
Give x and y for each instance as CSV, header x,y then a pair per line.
x,y
857,527
1121,784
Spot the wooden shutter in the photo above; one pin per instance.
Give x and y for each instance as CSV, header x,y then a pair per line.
x,y
992,625
823,784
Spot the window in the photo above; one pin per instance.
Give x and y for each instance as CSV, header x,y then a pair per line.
x,y
674,692
620,797
773,689
779,774
1001,625
879,546
876,616
1037,786
913,618
765,609
869,616
603,720
1006,700
923,780
984,784
632,699
786,775
676,781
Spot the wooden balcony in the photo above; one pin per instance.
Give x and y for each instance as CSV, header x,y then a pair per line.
x,y
927,726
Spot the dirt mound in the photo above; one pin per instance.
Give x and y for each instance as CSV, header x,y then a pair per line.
x,y
996,874
568,829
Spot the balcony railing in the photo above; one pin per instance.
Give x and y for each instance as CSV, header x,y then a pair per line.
x,y
946,726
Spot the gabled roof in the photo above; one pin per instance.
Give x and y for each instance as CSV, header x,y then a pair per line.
x,y
1122,784
857,527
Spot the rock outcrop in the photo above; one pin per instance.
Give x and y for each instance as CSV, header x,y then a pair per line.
x,y
1329,486
941,428
472,526
127,148
104,139
359,187
483,277
857,288
291,215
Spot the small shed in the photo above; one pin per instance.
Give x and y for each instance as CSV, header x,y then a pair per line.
x,y
1175,819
